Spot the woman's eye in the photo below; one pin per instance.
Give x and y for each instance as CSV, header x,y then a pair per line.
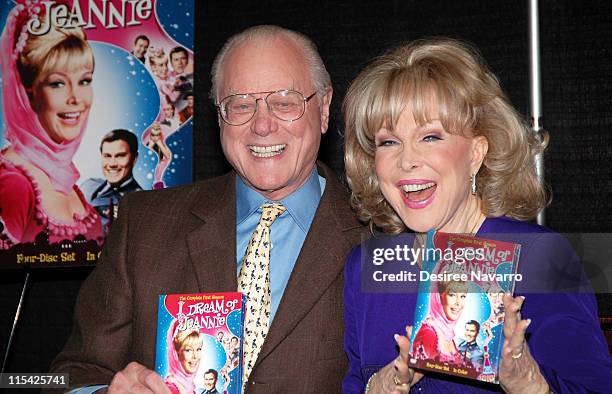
x,y
431,138
385,143
56,84
86,81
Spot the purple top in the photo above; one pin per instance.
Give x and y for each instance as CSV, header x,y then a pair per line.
x,y
564,336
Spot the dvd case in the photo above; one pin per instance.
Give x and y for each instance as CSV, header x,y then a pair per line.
x,y
199,342
458,322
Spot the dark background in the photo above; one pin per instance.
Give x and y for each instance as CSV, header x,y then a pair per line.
x,y
576,67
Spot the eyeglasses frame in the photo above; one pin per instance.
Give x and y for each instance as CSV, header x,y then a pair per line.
x,y
265,99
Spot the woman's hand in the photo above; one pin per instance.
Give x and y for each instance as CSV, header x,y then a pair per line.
x,y
518,372
396,377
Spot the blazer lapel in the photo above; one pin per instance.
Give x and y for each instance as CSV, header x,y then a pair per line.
x,y
212,246
319,263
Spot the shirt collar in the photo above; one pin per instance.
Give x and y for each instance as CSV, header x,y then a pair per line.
x,y
106,186
301,204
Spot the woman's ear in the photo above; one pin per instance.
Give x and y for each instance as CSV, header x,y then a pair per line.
x,y
480,147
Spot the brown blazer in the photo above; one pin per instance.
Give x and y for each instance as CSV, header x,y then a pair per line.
x,y
182,240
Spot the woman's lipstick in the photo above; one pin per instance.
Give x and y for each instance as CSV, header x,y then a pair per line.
x,y
417,193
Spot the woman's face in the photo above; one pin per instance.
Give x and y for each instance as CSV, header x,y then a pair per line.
x,y
453,303
189,356
159,68
424,172
62,101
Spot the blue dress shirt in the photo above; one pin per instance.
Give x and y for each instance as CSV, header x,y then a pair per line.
x,y
287,233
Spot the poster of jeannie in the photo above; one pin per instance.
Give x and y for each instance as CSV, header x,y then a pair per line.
x,y
97,102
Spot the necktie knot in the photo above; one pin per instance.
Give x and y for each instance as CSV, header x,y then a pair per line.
x,y
271,211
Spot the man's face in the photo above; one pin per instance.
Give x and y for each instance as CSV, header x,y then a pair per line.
x,y
140,47
117,161
272,156
209,381
470,333
179,62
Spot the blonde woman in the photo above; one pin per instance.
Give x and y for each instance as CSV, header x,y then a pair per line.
x,y
47,96
433,144
184,361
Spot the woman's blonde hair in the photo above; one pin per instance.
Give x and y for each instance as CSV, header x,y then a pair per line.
x,y
158,57
58,49
470,103
187,338
452,286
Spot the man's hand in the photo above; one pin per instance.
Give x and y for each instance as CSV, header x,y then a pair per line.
x,y
135,378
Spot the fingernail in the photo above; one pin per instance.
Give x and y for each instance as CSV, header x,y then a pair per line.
x,y
528,323
396,337
522,298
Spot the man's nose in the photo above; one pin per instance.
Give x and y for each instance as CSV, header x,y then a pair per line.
x,y
263,122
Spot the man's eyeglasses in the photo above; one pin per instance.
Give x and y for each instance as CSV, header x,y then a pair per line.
x,y
287,105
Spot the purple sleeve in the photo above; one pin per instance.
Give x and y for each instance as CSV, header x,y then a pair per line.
x,y
564,336
353,381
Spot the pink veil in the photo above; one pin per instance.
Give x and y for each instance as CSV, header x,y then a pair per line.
x,y
438,317
436,311
176,372
24,131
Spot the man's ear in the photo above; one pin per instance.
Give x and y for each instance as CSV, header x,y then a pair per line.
x,y
325,103
480,147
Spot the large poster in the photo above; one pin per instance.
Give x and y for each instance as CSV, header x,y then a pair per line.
x,y
97,102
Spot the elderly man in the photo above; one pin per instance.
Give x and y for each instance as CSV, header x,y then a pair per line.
x,y
273,95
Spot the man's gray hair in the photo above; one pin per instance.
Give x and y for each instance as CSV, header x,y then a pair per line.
x,y
318,72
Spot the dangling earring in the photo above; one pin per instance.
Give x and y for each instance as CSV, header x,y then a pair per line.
x,y
473,184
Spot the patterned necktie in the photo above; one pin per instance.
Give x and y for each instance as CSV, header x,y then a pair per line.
x,y
254,282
